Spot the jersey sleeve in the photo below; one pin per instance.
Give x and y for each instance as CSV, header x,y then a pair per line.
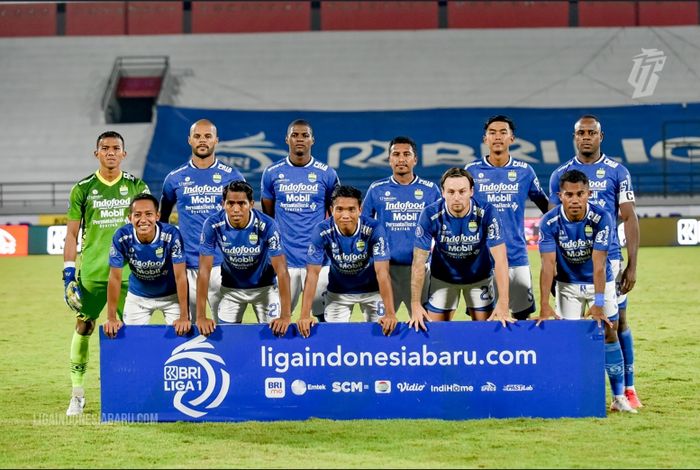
x,y
207,241
236,176
315,252
625,189
116,252
332,181
424,235
76,204
535,193
546,243
368,209
142,187
267,188
168,194
176,245
554,189
273,240
494,234
601,242
378,244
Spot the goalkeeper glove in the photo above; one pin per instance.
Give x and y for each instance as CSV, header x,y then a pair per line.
x,y
71,290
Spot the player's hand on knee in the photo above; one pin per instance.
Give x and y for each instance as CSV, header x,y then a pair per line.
x,y
71,290
205,326
111,327
388,323
182,326
280,325
304,325
597,314
502,316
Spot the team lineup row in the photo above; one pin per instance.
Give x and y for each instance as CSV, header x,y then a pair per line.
x,y
313,235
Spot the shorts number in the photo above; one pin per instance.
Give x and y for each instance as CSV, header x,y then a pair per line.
x,y
486,293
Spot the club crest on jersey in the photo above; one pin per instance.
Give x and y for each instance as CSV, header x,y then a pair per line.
x,y
418,193
600,173
216,177
360,245
253,238
472,226
312,177
123,190
159,252
588,230
512,175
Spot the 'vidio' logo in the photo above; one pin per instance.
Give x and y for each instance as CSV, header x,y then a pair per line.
x,y
197,377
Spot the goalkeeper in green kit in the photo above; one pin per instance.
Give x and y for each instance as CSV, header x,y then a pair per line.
x,y
99,205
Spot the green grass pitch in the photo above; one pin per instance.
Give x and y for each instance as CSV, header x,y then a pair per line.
x,y
35,334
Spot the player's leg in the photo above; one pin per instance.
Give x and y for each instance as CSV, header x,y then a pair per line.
x,y
94,297
480,298
443,299
169,305
214,295
339,307
625,335
296,284
232,305
371,305
570,300
318,306
266,304
137,310
522,301
192,293
401,286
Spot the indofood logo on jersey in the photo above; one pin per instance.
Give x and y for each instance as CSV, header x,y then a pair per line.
x,y
197,377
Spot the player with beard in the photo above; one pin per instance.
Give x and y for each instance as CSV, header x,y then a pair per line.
x,y
195,188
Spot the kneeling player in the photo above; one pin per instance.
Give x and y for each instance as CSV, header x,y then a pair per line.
x,y
575,237
468,247
253,258
158,280
359,272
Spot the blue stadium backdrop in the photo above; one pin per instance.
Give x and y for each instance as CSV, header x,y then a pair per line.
x,y
457,370
354,143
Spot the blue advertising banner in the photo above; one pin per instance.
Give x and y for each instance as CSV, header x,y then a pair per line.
x,y
651,140
457,370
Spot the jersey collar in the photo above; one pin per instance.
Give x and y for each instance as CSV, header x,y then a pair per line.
x,y
157,237
602,157
214,163
488,163
393,180
109,183
311,161
357,230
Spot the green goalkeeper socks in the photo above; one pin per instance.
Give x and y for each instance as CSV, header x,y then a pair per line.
x,y
79,355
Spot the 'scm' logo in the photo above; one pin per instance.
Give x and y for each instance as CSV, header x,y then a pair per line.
x,y
188,379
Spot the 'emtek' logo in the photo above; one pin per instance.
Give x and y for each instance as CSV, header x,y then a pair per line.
x,y
188,379
349,387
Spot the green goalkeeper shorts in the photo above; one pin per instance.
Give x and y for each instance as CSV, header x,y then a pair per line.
x,y
94,298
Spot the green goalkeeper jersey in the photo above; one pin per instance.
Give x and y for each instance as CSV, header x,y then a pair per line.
x,y
101,207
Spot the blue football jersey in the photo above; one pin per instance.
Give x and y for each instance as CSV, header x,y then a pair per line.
x,y
197,194
508,188
461,254
610,183
246,251
352,257
574,242
397,206
151,263
301,195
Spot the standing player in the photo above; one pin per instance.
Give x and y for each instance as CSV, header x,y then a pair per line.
x,y
158,281
296,191
253,260
574,242
468,247
195,188
507,184
611,189
396,202
359,272
98,205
